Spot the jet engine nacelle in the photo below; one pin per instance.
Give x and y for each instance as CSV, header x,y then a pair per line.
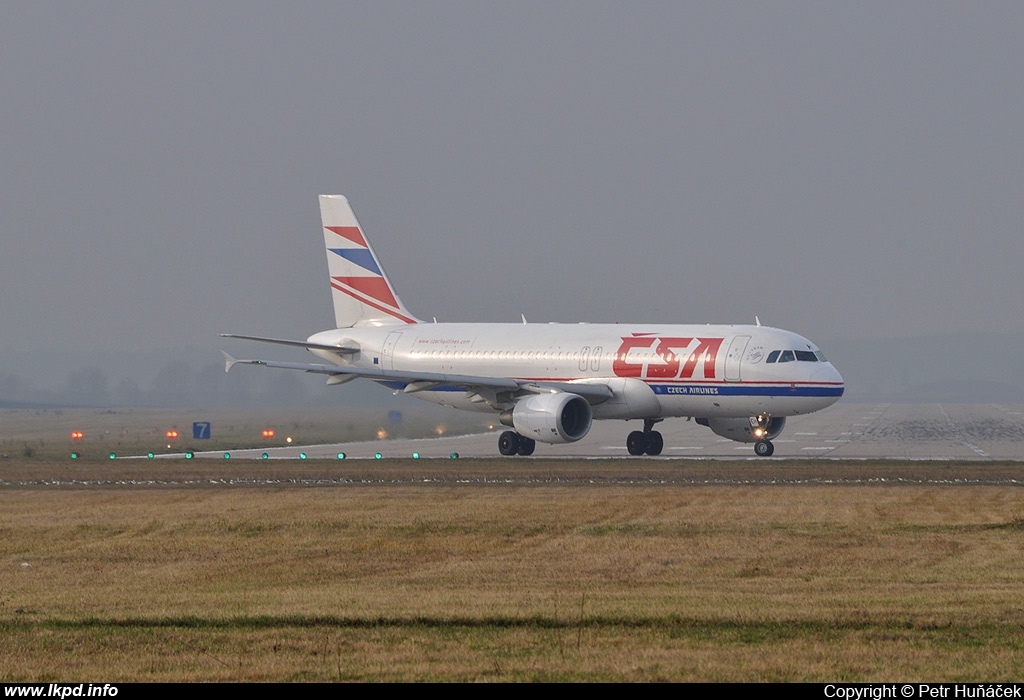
x,y
551,418
742,429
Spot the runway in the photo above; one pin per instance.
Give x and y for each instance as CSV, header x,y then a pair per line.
x,y
844,431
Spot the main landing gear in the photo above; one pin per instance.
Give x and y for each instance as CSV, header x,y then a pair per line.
x,y
647,442
511,443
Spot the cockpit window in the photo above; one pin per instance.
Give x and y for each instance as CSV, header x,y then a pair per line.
x,y
795,355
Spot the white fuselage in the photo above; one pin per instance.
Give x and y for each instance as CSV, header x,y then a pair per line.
x,y
653,370
548,382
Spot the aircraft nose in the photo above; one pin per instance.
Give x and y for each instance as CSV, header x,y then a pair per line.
x,y
828,375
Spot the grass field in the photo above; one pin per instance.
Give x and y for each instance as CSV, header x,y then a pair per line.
x,y
493,570
593,583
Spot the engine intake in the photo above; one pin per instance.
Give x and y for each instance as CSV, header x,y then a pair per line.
x,y
552,418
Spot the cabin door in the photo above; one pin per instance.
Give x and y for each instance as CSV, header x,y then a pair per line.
x,y
732,358
387,354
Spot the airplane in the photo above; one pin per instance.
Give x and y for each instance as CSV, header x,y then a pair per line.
x,y
549,382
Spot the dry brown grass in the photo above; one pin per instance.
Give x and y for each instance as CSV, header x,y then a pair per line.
x,y
474,582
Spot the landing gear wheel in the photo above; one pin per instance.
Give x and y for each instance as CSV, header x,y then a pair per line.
x,y
636,443
526,446
655,443
508,443
763,448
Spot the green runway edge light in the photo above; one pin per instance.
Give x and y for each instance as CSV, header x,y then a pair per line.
x,y
415,455
378,455
74,455
151,455
113,456
455,455
188,455
227,455
302,455
266,456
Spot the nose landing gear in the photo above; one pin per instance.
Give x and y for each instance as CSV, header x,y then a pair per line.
x,y
763,447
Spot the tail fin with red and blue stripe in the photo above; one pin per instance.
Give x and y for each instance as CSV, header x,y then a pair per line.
x,y
362,293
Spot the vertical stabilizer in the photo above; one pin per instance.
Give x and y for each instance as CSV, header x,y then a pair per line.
x,y
361,290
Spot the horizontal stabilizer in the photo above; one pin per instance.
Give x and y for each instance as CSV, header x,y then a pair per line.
x,y
339,349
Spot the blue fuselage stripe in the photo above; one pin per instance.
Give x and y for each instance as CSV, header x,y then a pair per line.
x,y
738,389
745,390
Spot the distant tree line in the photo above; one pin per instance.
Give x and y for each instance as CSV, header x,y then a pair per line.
x,y
177,384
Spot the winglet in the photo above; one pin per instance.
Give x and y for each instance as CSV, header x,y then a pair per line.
x,y
229,361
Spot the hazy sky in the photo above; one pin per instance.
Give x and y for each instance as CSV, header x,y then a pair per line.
x,y
839,169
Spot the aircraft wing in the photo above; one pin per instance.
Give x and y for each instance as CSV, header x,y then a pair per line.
x,y
593,393
425,381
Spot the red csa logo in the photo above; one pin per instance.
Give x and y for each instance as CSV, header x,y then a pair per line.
x,y
672,358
